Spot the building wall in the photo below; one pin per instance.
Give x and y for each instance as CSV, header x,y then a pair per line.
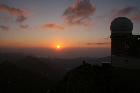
x,y
126,62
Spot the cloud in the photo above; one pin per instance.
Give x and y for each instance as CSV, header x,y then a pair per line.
x,y
79,13
53,26
24,26
99,43
18,13
4,28
126,11
129,11
103,43
136,17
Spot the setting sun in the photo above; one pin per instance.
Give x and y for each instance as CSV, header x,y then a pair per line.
x,y
58,46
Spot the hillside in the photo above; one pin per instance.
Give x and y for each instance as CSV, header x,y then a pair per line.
x,y
97,79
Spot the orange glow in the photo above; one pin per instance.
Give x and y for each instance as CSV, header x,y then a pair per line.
x,y
58,47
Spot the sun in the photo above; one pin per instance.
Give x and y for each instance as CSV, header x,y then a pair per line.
x,y
58,46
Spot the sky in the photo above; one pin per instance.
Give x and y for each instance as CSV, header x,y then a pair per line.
x,y
68,23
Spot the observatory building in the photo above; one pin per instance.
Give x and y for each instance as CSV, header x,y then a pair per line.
x,y
125,47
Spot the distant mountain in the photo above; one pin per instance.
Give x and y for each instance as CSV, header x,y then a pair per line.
x,y
17,70
20,80
49,66
26,62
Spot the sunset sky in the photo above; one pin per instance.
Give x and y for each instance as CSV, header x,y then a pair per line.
x,y
68,23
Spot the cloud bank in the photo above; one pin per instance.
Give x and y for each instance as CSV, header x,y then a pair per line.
x,y
129,11
24,26
53,26
18,13
99,43
79,13
4,28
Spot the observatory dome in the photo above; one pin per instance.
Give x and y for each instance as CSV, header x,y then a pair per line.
x,y
121,25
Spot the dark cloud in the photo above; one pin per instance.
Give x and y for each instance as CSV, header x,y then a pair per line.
x,y
4,28
21,18
20,14
79,13
102,43
24,26
126,11
129,11
53,26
